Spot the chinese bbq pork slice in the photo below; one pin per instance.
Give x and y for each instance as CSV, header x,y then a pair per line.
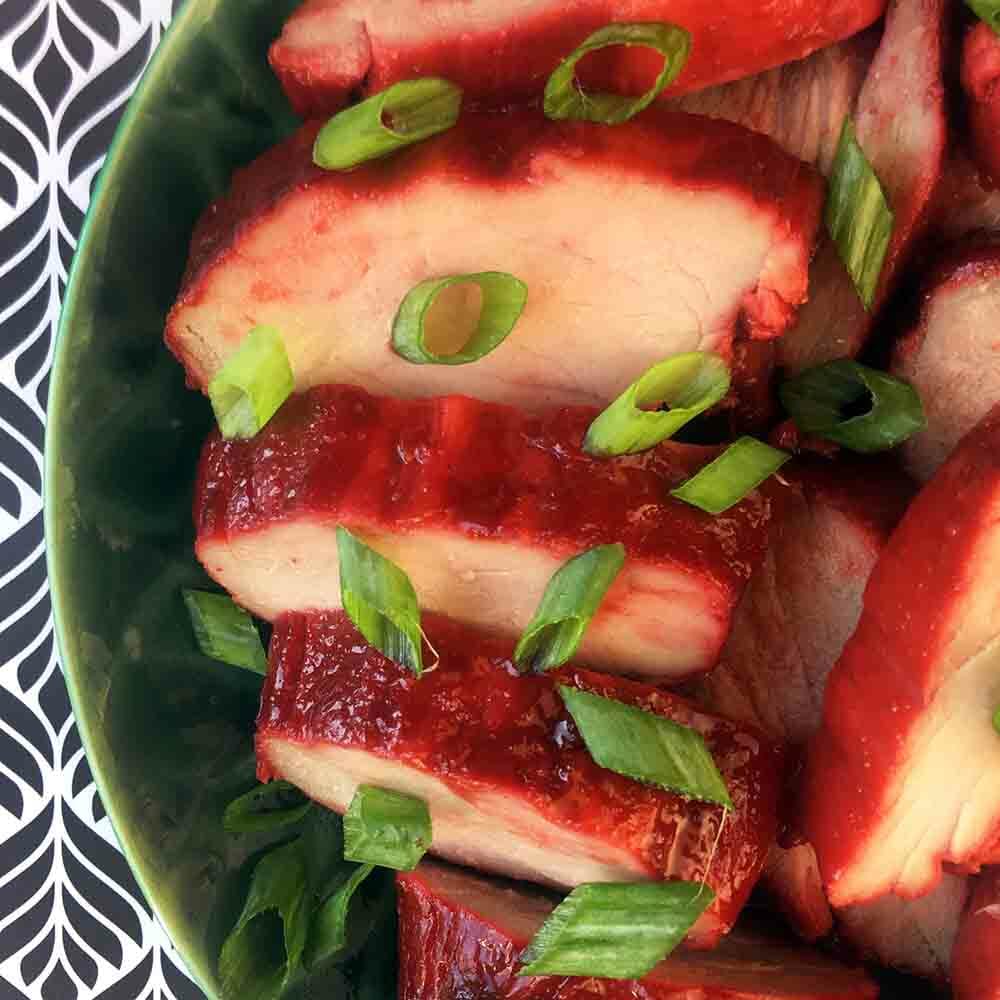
x,y
901,124
498,759
330,49
975,959
663,235
460,935
981,83
479,504
904,774
950,356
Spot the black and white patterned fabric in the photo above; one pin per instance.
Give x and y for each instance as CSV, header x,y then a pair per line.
x,y
73,924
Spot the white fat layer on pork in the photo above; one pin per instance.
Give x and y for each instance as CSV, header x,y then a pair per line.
x,y
621,274
654,621
956,368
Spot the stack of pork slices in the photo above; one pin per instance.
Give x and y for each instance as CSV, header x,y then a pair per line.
x,y
833,636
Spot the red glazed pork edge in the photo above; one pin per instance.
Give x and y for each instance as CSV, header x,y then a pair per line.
x,y
981,83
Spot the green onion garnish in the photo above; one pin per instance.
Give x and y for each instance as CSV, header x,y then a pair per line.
x,y
565,98
503,299
252,384
265,808
571,599
858,215
401,115
255,964
224,631
988,11
858,407
387,828
646,747
328,931
615,930
741,468
379,598
996,720
688,383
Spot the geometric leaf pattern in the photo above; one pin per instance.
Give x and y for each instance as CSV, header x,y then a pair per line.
x,y
73,923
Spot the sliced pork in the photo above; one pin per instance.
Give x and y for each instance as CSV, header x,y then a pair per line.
x,y
965,205
981,83
904,775
480,504
901,125
801,105
510,786
951,355
331,49
637,242
911,935
975,959
460,935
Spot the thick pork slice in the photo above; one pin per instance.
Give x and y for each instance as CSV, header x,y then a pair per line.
x,y
975,959
460,935
637,242
480,504
981,83
331,49
966,204
904,775
951,356
902,126
510,786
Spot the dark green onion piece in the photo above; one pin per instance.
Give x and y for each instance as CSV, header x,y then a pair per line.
x,y
252,384
571,599
379,598
224,631
615,930
858,216
503,302
564,98
386,828
996,720
821,401
741,468
328,932
257,959
688,383
401,115
988,11
646,747
265,808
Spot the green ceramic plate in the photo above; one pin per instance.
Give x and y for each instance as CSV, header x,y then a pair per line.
x,y
167,732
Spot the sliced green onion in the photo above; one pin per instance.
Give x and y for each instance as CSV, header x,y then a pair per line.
x,y
571,599
646,747
741,468
688,383
401,115
821,402
503,299
379,598
328,931
988,11
858,215
615,930
996,720
386,828
252,384
256,962
265,808
224,631
565,98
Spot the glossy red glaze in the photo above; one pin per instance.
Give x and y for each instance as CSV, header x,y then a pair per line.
x,y
975,959
476,725
890,669
503,59
460,936
503,151
482,470
981,83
